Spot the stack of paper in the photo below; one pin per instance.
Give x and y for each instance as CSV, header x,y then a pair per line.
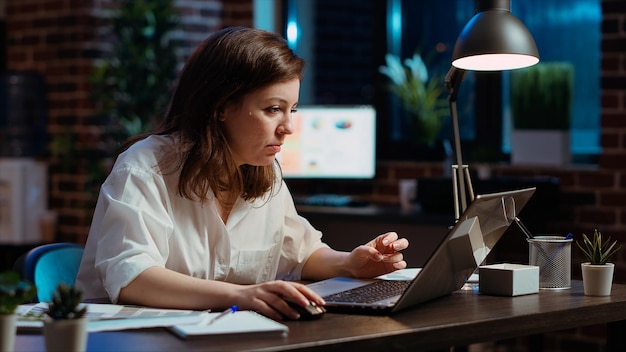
x,y
111,317
183,323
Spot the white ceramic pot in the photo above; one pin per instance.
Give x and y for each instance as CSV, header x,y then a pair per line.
x,y
540,147
597,279
7,331
68,335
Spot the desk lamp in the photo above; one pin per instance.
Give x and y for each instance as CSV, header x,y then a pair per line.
x,y
492,40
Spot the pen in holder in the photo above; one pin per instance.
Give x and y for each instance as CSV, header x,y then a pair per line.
x,y
553,256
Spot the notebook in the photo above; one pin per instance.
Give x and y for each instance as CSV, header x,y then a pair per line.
x,y
241,322
453,262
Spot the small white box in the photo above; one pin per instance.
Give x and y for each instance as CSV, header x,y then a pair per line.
x,y
508,279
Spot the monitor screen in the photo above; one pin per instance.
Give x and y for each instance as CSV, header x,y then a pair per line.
x,y
331,142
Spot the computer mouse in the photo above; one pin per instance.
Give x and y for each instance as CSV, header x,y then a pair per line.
x,y
310,312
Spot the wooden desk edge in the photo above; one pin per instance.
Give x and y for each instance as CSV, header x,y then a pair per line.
x,y
425,327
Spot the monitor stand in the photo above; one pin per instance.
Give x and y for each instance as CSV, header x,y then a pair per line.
x,y
325,192
325,199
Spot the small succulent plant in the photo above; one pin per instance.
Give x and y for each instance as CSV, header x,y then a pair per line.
x,y
14,291
66,303
597,251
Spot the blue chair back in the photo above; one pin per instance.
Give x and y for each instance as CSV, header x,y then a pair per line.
x,y
51,264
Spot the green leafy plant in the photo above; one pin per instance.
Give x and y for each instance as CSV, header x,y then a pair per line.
x,y
129,85
14,291
597,251
66,303
421,96
541,96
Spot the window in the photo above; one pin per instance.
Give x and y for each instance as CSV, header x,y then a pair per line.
x,y
570,31
344,43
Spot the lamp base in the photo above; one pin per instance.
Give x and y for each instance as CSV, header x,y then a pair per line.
x,y
460,180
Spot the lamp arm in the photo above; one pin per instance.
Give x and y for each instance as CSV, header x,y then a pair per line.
x,y
453,81
460,172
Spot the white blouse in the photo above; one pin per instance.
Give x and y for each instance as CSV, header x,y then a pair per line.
x,y
140,221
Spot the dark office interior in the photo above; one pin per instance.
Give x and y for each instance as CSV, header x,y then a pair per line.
x,y
52,46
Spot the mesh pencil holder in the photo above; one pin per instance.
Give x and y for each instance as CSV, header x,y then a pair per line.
x,y
553,256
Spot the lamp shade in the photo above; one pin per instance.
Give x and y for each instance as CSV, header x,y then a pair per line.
x,y
494,40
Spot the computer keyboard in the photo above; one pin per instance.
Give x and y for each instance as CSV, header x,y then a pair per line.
x,y
376,291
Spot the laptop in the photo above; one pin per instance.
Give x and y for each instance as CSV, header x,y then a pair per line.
x,y
456,258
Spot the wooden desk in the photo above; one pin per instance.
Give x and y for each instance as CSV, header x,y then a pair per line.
x,y
463,318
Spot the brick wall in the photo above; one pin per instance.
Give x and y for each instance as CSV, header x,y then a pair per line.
x,y
60,39
609,183
54,38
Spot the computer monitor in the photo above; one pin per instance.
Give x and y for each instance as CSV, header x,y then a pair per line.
x,y
331,142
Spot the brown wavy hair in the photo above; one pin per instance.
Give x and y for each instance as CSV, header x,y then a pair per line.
x,y
226,66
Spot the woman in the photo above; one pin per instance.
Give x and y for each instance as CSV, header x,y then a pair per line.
x,y
195,215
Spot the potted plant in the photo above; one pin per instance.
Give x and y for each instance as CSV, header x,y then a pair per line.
x,y
65,325
13,292
541,105
130,85
597,272
422,97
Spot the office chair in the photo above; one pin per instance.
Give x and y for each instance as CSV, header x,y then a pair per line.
x,y
49,265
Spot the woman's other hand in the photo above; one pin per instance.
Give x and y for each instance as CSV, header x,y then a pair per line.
x,y
379,256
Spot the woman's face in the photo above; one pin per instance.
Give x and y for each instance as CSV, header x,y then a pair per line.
x,y
256,128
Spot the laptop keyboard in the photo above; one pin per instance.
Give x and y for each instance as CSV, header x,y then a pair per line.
x,y
373,292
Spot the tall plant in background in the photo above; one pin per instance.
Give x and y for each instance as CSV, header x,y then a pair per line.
x,y
131,85
420,94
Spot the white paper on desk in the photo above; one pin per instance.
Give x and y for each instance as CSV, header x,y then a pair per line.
x,y
141,323
402,274
411,273
240,322
111,317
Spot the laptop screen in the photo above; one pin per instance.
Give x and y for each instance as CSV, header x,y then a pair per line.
x,y
459,254
467,245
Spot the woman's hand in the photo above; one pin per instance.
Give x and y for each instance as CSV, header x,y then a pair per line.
x,y
164,288
377,257
268,298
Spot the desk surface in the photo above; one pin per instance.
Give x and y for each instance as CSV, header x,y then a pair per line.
x,y
462,318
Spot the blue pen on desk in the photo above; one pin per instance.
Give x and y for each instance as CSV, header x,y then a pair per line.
x,y
230,310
